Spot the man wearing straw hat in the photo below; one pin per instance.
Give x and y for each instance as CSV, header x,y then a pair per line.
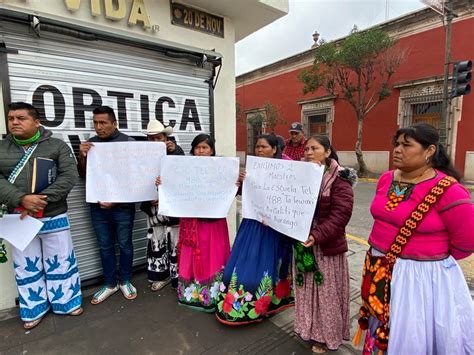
x,y
163,231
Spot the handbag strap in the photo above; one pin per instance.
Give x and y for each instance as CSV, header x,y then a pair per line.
x,y
415,218
22,163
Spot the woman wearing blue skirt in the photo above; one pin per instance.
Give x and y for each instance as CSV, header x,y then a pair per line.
x,y
257,280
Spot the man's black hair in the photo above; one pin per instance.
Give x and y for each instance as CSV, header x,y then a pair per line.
x,y
105,109
32,111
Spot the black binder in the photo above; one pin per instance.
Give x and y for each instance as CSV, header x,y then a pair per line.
x,y
44,174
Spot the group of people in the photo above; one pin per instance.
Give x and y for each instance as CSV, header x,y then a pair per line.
x,y
414,296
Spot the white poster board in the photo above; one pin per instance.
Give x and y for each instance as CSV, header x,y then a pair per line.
x,y
123,171
282,193
197,186
19,232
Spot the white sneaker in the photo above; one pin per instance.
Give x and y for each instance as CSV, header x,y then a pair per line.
x,y
104,293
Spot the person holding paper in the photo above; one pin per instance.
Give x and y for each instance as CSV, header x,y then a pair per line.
x,y
257,278
320,269
111,221
203,248
46,270
162,248
157,132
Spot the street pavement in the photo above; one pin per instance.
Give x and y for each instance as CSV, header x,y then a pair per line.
x,y
155,324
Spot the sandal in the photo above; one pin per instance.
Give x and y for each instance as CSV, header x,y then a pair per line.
x,y
158,285
128,290
104,293
32,324
319,349
77,312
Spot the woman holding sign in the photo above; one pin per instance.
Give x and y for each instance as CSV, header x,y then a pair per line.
x,y
257,280
321,269
203,249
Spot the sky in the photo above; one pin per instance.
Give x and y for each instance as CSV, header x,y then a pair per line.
x,y
333,19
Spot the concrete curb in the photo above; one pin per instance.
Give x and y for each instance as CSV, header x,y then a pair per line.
x,y
367,179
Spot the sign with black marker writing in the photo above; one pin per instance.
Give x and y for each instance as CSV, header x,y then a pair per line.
x,y
203,187
282,193
123,171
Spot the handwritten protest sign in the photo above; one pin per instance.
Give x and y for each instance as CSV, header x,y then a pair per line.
x,y
197,186
283,193
123,171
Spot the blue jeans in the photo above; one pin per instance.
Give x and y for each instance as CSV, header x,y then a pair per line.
x,y
110,225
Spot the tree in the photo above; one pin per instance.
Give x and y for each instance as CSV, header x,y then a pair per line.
x,y
268,117
358,70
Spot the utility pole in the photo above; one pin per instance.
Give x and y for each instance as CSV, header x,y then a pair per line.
x,y
445,108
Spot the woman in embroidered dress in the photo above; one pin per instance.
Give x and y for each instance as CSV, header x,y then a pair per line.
x,y
321,269
203,248
431,310
256,280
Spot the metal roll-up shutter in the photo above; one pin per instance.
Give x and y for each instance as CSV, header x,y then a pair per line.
x,y
65,77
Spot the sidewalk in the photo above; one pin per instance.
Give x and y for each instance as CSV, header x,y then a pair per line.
x,y
155,324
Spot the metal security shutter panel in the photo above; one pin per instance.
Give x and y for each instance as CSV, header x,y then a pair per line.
x,y
68,75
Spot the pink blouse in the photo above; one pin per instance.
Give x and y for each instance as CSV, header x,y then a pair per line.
x,y
447,229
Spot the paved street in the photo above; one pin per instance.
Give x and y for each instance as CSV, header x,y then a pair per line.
x,y
155,324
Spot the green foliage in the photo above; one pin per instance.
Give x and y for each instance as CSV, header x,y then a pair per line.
x,y
349,68
357,69
257,119
362,48
273,116
269,116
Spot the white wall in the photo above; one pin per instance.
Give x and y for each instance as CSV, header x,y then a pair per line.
x,y
7,280
469,167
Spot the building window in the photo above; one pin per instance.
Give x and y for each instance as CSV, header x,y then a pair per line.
x,y
255,128
317,116
317,124
421,101
427,112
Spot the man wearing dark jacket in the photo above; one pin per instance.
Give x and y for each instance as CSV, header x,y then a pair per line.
x,y
46,270
111,221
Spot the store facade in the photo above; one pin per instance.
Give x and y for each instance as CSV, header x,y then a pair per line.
x,y
147,59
